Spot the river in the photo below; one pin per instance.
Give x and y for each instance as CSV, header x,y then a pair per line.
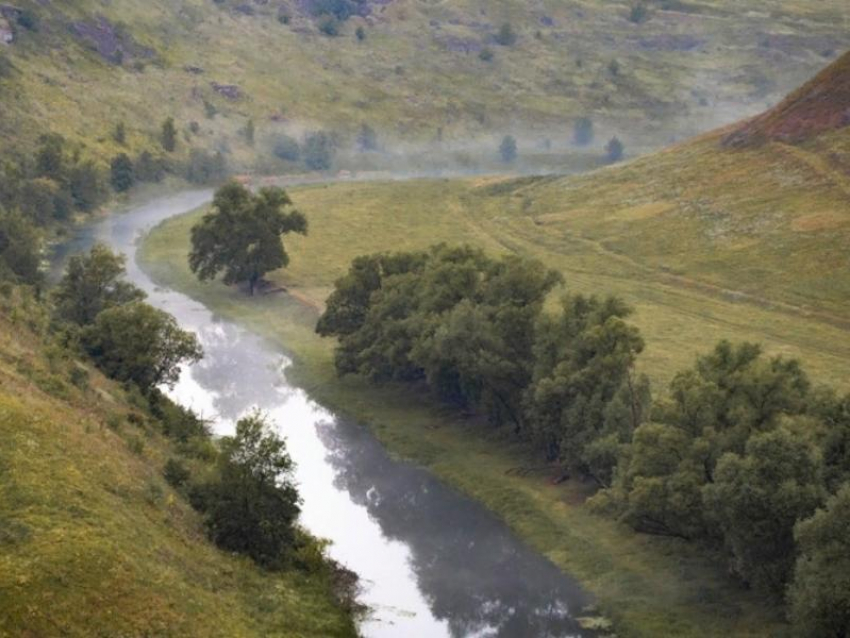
x,y
432,562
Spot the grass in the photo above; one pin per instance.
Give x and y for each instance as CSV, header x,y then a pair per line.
x,y
417,72
92,539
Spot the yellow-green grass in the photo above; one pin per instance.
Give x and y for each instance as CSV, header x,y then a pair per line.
x,y
680,71
92,539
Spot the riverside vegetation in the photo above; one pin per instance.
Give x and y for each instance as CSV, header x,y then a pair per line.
x,y
738,456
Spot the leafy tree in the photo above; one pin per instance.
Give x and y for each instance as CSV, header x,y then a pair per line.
x,y
20,249
819,596
287,148
206,168
37,200
508,149
367,139
583,131
834,414
138,343
93,283
360,34
242,235
51,160
252,505
120,133
249,132
168,135
582,357
506,36
122,176
614,150
148,168
87,186
756,499
318,151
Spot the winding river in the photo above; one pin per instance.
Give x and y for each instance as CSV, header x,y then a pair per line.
x,y
432,562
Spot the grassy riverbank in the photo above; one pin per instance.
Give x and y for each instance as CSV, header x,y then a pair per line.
x,y
650,587
93,540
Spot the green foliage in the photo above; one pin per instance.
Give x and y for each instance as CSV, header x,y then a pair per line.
x,y
583,131
614,150
452,316
508,149
148,168
28,19
122,175
318,151
367,139
360,34
87,187
486,55
287,148
205,167
329,25
138,343
639,13
506,36
252,504
20,249
120,133
249,131
820,594
176,473
242,235
93,283
755,500
582,357
178,423
168,135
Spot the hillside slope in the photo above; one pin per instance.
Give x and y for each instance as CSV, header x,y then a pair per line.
x,y
93,541
417,74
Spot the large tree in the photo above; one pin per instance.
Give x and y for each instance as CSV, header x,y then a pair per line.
x,y
93,283
241,236
138,343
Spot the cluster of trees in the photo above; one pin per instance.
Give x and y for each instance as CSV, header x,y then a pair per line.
x,y
316,151
742,455
241,484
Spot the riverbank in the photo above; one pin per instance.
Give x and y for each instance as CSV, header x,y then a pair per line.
x,y
648,586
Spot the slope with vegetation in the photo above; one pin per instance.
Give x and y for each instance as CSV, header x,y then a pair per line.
x,y
237,75
741,458
97,533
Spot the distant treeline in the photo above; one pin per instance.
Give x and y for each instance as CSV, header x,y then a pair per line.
x,y
742,455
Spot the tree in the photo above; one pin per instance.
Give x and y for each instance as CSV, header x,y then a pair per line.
x,y
168,135
329,26
242,235
639,13
508,149
819,597
367,139
122,176
249,132
506,36
37,200
20,249
206,168
614,150
93,283
120,133
148,168
360,33
582,357
138,343
252,504
87,186
50,159
287,148
318,151
583,131
756,499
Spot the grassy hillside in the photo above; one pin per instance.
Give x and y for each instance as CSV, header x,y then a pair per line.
x,y
92,539
417,75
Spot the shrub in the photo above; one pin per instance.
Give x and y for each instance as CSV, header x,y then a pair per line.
x,y
176,473
287,149
506,36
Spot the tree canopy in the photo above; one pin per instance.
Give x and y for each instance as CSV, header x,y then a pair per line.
x,y
241,236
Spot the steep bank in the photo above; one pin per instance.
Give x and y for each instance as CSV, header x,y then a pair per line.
x,y
92,537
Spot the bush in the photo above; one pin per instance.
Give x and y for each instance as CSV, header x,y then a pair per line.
x,y
583,131
252,504
329,25
486,55
318,151
176,473
206,168
121,173
506,36
287,149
